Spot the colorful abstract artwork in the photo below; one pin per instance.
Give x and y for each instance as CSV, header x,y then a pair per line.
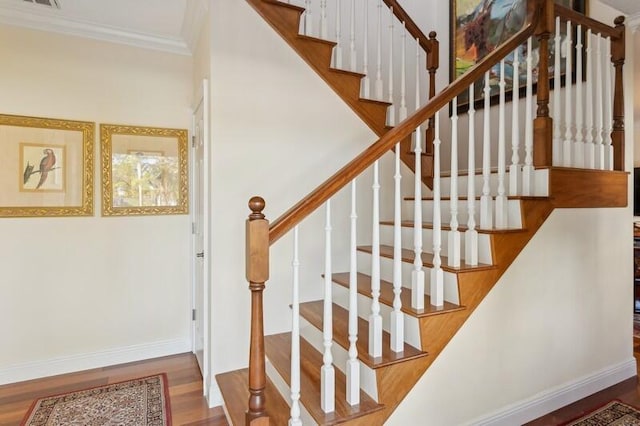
x,y
479,26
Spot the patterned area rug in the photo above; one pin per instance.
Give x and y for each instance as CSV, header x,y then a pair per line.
x,y
138,402
614,413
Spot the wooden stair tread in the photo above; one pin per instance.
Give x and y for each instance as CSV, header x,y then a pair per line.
x,y
234,386
465,198
461,228
278,347
427,259
317,40
313,313
387,296
285,5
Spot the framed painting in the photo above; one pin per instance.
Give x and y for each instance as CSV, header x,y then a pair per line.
x,y
46,167
144,170
479,26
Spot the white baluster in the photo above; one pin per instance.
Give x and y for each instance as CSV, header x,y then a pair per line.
x,y
327,373
568,102
397,317
599,108
578,146
366,81
515,172
308,18
391,110
375,319
527,169
295,336
417,73
324,31
557,118
417,275
437,275
501,198
471,235
337,50
608,115
454,234
353,365
590,148
352,39
402,113
486,206
378,83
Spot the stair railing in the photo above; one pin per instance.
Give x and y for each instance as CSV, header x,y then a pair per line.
x,y
371,40
538,134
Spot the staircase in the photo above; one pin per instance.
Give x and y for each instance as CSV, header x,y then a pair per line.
x,y
353,356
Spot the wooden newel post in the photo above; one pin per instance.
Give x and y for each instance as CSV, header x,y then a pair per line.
x,y
433,62
543,124
617,57
257,273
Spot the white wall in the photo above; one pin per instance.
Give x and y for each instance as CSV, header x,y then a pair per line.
x,y
89,291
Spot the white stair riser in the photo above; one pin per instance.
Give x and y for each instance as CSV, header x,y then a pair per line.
x,y
312,335
541,188
386,274
484,242
513,206
285,392
411,324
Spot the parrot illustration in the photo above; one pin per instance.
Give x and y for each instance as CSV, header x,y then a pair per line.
x,y
46,164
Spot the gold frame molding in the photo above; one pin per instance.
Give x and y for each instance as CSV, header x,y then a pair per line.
x,y
107,131
87,130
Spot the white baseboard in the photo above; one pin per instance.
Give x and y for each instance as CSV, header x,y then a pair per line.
x,y
73,363
552,399
214,396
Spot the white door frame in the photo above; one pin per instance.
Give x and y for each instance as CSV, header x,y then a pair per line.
x,y
202,101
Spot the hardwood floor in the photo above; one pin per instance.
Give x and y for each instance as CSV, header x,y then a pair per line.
x,y
188,406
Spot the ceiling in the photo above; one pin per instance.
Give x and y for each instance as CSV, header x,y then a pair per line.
x,y
167,25
629,7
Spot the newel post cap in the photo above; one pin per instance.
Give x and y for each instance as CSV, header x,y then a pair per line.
x,y
256,205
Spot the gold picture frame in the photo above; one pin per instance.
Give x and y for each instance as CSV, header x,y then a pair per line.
x,y
144,170
46,167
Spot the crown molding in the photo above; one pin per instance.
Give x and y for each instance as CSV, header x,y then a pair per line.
x,y
633,22
35,17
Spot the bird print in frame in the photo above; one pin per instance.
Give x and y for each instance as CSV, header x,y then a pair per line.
x,y
42,167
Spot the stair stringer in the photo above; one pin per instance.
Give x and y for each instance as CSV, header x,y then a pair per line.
x,y
284,18
397,380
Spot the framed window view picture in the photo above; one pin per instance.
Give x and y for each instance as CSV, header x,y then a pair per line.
x,y
144,170
46,167
479,26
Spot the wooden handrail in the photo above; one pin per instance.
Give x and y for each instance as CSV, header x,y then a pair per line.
x,y
410,25
355,167
578,18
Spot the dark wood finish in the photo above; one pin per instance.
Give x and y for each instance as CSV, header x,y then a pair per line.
x,y
355,167
387,296
427,259
234,388
543,124
313,313
577,18
188,405
617,57
461,228
257,272
278,347
587,188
